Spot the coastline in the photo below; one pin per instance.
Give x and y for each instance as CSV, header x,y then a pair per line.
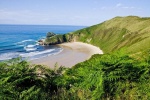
x,y
73,53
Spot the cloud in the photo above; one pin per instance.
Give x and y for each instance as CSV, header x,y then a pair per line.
x,y
118,5
121,6
24,16
32,17
126,7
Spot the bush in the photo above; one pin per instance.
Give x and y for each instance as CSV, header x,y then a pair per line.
x,y
109,76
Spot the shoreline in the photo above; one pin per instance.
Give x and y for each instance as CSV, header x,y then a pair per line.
x,y
73,53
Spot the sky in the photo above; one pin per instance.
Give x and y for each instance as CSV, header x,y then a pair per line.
x,y
69,12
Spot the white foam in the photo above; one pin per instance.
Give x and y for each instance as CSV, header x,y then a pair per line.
x,y
30,48
30,55
25,41
6,56
36,53
37,44
60,50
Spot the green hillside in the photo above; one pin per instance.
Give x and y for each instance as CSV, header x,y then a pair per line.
x,y
130,32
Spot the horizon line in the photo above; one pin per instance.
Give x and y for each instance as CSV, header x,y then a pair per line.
x,y
47,25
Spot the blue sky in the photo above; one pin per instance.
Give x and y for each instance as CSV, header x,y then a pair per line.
x,y
69,12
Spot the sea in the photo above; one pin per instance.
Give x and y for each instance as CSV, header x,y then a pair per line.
x,y
22,40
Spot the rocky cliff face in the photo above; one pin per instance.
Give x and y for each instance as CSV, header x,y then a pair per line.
x,y
57,39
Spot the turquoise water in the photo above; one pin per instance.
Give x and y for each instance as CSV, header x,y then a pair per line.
x,y
21,40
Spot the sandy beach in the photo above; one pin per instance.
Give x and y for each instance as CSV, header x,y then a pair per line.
x,y
73,53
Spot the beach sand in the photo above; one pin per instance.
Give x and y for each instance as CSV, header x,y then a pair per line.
x,y
73,53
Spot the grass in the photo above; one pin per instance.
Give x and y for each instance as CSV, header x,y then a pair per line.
x,y
131,32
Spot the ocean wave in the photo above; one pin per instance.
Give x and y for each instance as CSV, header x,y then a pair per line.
x,y
7,56
30,55
24,41
36,53
14,48
37,44
30,47
45,55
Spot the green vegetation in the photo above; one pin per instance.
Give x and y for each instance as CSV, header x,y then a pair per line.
x,y
20,80
129,32
115,75
57,39
112,76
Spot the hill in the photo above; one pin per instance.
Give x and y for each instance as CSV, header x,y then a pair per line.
x,y
129,32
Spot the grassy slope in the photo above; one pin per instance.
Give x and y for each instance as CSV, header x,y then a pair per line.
x,y
131,32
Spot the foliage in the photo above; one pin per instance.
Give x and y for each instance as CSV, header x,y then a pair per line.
x,y
111,76
23,81
57,39
115,76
